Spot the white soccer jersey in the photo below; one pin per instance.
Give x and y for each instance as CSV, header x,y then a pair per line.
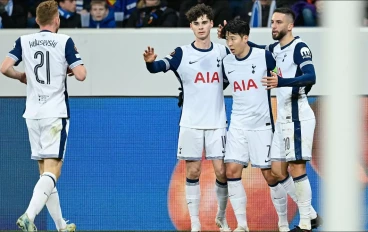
x,y
292,102
46,56
200,74
251,101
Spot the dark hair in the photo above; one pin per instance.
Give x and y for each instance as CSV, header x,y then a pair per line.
x,y
199,10
285,10
236,26
99,2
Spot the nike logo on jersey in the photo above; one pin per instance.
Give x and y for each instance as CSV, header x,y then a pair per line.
x,y
230,72
192,62
266,161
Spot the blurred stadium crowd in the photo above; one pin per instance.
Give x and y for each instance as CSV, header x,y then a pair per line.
x,y
157,13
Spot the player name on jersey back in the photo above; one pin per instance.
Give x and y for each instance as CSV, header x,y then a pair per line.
x,y
46,57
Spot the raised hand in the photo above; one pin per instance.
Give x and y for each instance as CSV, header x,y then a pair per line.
x,y
271,82
149,55
219,29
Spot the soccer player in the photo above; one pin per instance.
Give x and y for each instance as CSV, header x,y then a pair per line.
x,y
293,138
251,129
198,67
47,56
296,122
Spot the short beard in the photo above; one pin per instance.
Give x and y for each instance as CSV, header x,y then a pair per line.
x,y
279,36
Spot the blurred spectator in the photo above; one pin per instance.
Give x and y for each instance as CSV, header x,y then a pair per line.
x,y
221,11
152,13
305,13
262,12
82,6
101,16
68,15
13,14
122,10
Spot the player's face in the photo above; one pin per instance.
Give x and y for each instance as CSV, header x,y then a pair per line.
x,y
281,25
202,27
98,12
236,43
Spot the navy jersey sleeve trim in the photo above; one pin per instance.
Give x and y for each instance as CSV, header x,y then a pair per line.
x,y
157,66
225,79
227,51
302,53
271,47
307,79
71,54
16,52
175,58
251,44
302,58
270,61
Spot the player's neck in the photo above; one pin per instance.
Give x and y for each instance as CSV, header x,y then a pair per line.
x,y
244,53
202,44
286,39
48,28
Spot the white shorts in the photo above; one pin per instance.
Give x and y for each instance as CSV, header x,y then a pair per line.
x,y
293,141
48,137
244,146
192,142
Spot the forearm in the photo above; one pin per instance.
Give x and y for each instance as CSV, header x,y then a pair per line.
x,y
301,81
156,66
12,73
251,44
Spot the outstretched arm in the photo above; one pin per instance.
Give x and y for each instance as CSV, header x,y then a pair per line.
x,y
170,62
153,66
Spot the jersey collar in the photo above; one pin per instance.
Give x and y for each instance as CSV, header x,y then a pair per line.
x,y
202,50
244,58
287,45
45,31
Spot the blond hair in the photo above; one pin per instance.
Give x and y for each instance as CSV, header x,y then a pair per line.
x,y
46,11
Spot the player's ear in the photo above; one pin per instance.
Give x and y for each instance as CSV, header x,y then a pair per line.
x,y
290,26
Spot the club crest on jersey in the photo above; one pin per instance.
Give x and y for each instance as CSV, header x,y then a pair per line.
x,y
207,77
218,62
253,67
285,55
306,53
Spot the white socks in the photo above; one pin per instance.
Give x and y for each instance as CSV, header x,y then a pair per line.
x,y
222,196
304,196
193,195
279,200
53,206
41,193
238,199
